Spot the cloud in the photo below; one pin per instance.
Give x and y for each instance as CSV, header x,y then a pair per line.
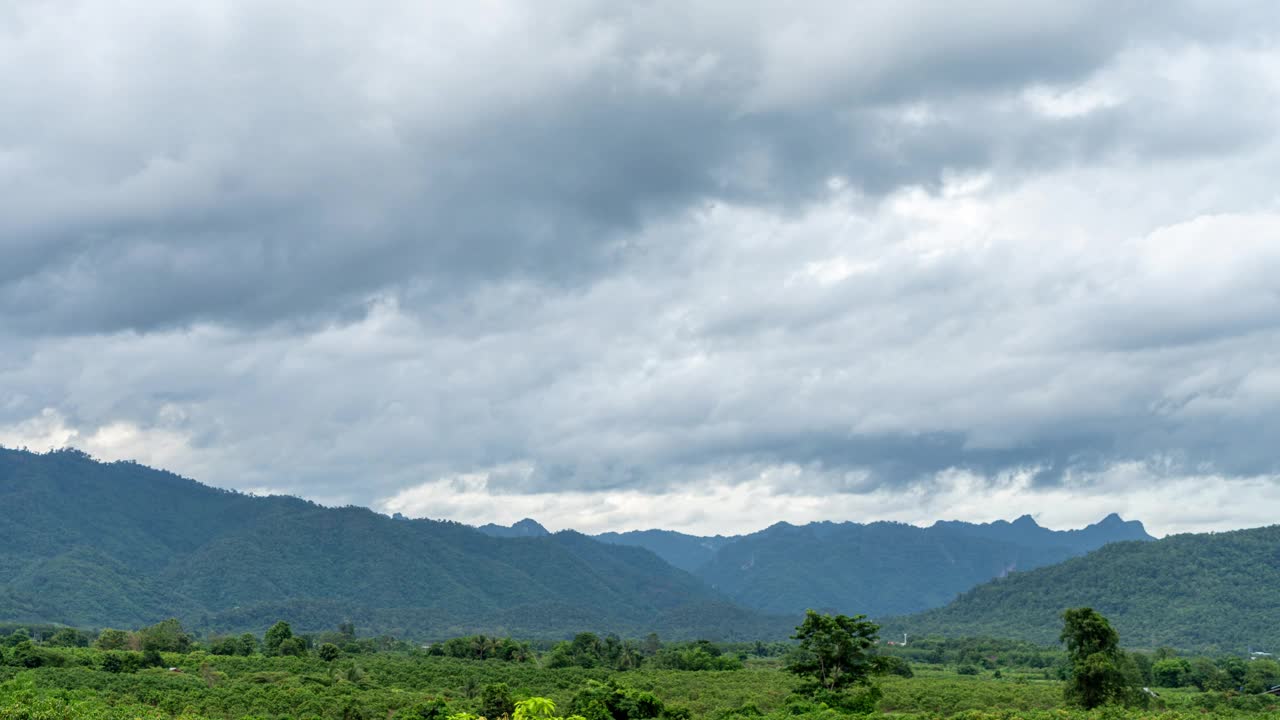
x,y
649,254
718,505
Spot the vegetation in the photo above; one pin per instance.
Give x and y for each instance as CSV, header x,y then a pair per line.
x,y
1213,593
885,568
1096,661
91,544
378,677
835,654
204,577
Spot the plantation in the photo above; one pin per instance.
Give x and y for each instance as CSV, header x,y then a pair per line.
x,y
160,673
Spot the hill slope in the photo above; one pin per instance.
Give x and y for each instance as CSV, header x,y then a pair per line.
x,y
879,568
687,552
1195,592
93,544
524,528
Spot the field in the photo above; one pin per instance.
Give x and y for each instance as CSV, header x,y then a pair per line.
x,y
410,684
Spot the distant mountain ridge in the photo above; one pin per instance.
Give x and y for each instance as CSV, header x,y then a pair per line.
x,y
1212,592
687,552
523,528
118,544
880,568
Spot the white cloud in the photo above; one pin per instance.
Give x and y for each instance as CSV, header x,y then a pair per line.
x,y
725,506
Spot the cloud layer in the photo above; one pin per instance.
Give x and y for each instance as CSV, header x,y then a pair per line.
x,y
758,261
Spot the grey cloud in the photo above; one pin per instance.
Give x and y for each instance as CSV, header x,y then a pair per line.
x,y
248,169
637,248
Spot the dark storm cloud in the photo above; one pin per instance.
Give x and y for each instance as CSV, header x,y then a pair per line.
x,y
241,167
840,248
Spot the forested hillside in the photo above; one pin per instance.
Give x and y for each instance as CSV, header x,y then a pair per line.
x,y
879,568
1210,592
93,544
687,552
523,528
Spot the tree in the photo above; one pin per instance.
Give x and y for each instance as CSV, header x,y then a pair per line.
x,y
835,652
276,635
292,646
496,702
429,709
608,701
111,639
151,658
539,708
1093,651
329,652
1261,675
68,637
1171,672
166,636
652,645
26,654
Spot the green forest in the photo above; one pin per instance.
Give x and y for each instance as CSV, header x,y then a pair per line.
x,y
1213,592
94,544
833,667
128,592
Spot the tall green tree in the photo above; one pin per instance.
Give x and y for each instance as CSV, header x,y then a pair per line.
x,y
835,651
496,702
166,636
1093,649
112,639
275,636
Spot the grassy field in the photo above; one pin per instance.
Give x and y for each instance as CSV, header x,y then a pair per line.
x,y
395,685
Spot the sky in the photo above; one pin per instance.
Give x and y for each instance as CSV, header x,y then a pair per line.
x,y
700,266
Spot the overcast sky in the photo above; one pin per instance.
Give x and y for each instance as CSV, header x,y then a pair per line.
x,y
627,265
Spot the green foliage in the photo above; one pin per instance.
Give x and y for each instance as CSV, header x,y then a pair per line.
x,y
68,637
482,647
835,652
609,701
588,650
429,709
328,652
166,636
408,684
1093,648
701,655
276,636
292,646
496,701
1212,593
110,639
1261,675
1171,672
25,654
121,545
881,569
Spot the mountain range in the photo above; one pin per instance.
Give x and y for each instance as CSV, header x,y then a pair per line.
x,y
118,544
95,544
1211,592
879,569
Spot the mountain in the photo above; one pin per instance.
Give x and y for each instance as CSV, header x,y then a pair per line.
x,y
687,552
119,544
878,568
1208,592
523,528
1025,531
